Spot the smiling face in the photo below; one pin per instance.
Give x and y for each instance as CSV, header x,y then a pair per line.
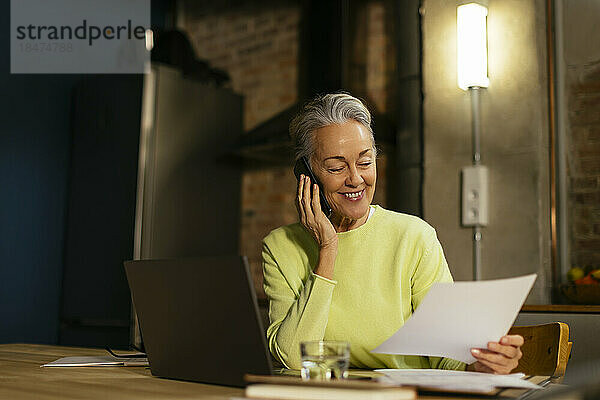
x,y
344,163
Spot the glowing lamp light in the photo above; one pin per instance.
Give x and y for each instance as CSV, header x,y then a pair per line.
x,y
149,39
472,46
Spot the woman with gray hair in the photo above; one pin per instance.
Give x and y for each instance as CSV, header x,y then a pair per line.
x,y
358,275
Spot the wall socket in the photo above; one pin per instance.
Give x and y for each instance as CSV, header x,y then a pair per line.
x,y
474,195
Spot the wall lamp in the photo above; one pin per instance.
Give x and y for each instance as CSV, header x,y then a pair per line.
x,y
471,36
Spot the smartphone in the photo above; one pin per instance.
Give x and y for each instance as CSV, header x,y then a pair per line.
x,y
303,167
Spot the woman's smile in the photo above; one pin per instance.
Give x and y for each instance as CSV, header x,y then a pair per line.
x,y
354,196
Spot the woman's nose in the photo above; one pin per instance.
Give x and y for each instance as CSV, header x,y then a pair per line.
x,y
354,178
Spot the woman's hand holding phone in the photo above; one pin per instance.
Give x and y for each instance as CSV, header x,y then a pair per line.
x,y
315,221
311,216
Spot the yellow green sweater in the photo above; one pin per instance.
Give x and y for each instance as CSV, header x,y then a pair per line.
x,y
383,270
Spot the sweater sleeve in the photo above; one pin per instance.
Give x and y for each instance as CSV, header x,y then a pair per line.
x,y
432,268
297,312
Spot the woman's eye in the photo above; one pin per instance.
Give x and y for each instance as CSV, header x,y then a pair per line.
x,y
335,169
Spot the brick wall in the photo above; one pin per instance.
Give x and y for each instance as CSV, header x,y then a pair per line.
x,y
258,47
377,51
584,166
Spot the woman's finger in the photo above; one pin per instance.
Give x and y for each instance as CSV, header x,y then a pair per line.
x,y
299,202
299,189
496,361
306,200
490,356
512,340
507,351
316,201
495,368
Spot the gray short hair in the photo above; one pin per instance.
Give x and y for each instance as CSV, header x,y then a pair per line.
x,y
324,110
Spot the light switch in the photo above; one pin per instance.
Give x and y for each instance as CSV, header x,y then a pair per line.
x,y
474,196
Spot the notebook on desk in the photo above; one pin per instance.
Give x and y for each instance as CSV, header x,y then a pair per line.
x,y
199,319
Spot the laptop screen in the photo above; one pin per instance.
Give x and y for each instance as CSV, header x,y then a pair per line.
x,y
199,318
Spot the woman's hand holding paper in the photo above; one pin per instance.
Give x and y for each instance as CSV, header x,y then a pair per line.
x,y
499,357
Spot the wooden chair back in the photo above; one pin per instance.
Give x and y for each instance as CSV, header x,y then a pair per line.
x,y
546,349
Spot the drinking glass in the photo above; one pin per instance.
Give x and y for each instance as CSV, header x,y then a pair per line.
x,y
325,359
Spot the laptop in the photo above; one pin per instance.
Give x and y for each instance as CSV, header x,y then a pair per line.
x,y
199,319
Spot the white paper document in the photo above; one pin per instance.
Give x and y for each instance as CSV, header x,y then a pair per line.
x,y
98,361
455,317
460,381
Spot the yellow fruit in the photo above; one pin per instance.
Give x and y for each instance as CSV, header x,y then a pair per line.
x,y
575,273
596,274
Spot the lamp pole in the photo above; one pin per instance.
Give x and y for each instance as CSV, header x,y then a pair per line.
x,y
471,38
476,143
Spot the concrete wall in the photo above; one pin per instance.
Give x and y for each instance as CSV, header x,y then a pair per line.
x,y
515,141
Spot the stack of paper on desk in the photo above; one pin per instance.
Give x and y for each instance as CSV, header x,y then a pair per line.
x,y
98,361
455,317
455,381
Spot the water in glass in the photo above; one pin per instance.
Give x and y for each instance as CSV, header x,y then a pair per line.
x,y
324,367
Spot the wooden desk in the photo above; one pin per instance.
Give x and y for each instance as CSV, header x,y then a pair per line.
x,y
22,378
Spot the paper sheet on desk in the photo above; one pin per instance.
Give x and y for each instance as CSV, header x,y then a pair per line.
x,y
455,317
460,381
97,361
